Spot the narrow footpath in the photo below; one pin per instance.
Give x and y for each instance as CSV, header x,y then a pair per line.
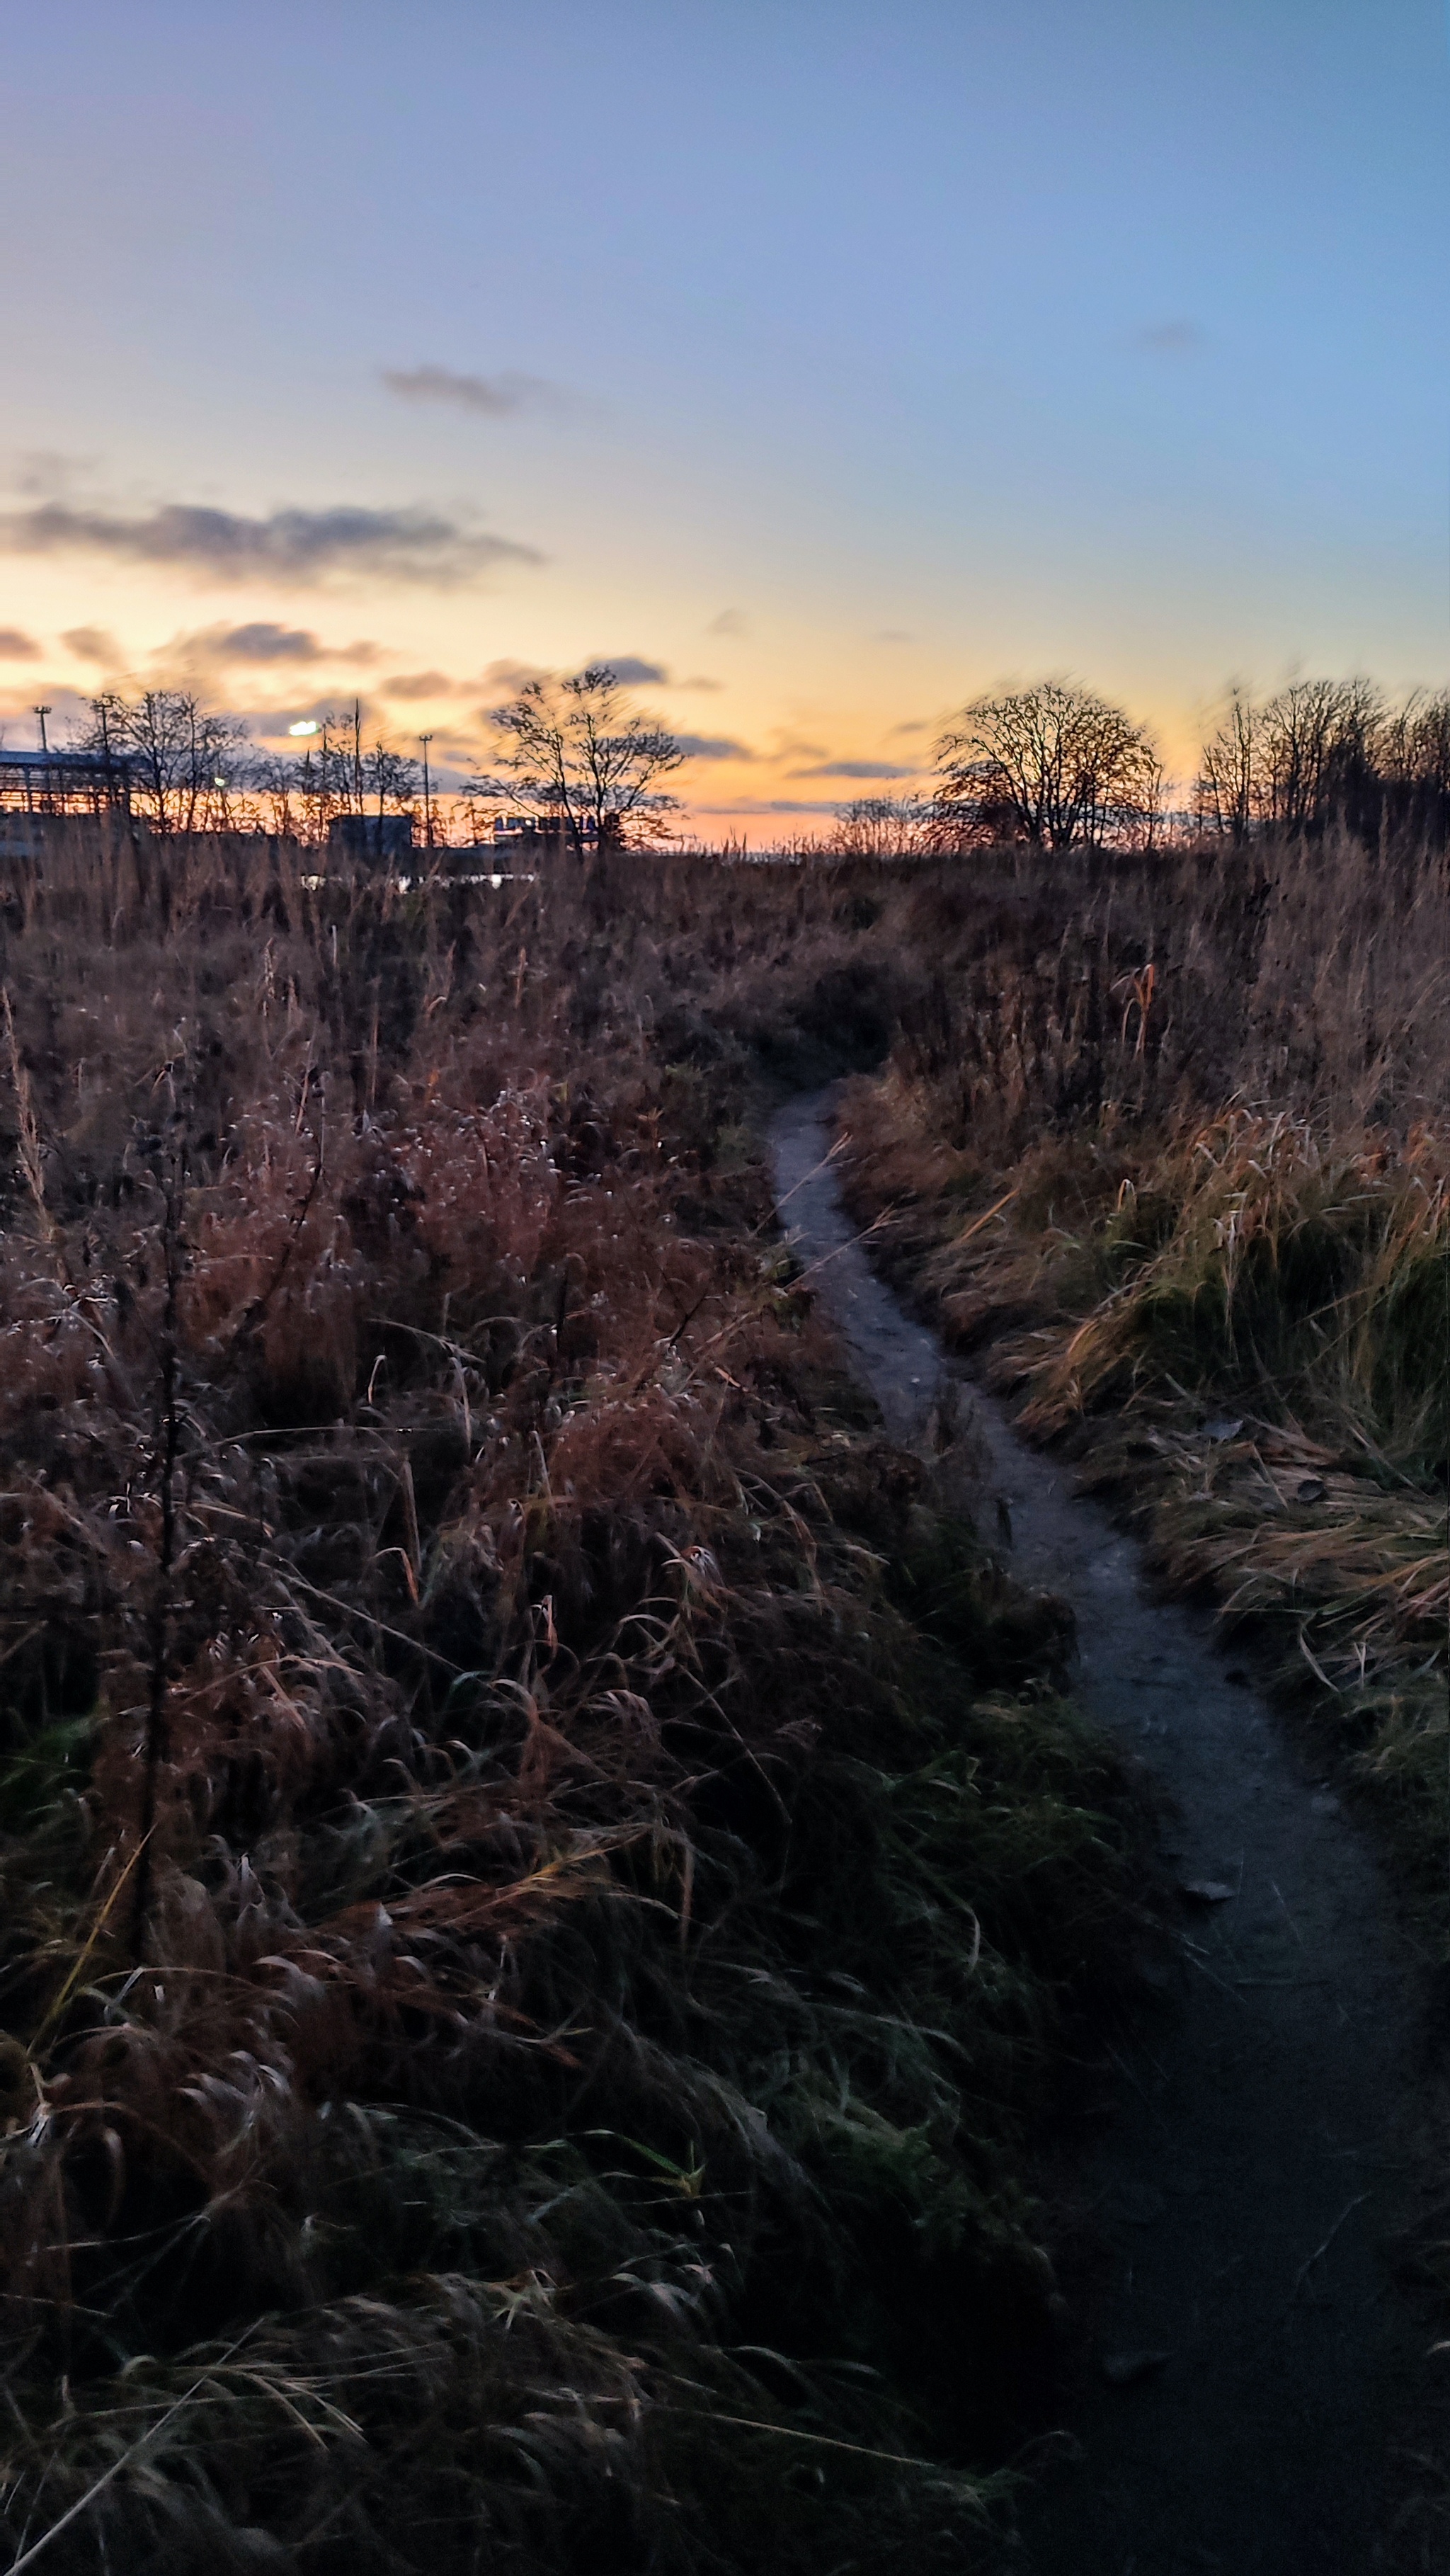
x,y
1249,2362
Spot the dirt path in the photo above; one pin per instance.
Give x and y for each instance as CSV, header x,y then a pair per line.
x,y
1242,2188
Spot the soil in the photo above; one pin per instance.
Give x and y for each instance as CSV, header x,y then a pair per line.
x,y
1246,2357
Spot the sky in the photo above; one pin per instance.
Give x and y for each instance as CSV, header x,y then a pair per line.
x,y
820,363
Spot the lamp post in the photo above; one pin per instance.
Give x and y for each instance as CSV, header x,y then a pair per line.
x,y
46,782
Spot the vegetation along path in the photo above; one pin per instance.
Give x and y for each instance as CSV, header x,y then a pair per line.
x,y
1250,2357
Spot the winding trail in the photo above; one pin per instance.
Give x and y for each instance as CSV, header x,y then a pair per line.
x,y
1254,2159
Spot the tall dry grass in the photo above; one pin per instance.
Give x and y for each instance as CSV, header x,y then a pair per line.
x,y
526,1972
1174,1139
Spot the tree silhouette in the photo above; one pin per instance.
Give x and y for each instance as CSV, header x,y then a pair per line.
x,y
1052,764
583,761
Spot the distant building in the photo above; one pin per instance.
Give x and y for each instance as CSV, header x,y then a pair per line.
x,y
361,837
64,782
541,827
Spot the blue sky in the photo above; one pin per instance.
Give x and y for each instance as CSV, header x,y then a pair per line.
x,y
834,361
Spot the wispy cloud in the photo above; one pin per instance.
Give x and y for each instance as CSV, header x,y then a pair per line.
x,y
854,769
501,681
49,473
262,641
494,396
632,669
709,746
731,621
504,678
772,805
1169,339
407,545
410,685
16,647
637,673
94,644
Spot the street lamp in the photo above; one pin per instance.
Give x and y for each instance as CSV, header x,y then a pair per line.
x,y
425,739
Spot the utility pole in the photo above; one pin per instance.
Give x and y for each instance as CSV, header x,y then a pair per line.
x,y
43,712
425,739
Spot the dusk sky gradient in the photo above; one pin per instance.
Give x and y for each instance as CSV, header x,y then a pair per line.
x,y
835,361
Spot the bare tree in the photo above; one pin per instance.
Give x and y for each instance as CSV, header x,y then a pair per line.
x,y
1415,754
1054,765
332,774
882,827
1320,743
1227,792
1324,751
302,790
580,758
389,778
187,763
278,785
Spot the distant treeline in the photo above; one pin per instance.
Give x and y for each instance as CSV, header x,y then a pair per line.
x,y
1053,765
1323,751
1058,767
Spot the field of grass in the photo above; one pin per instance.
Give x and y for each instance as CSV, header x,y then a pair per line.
x,y
1174,1148
548,1884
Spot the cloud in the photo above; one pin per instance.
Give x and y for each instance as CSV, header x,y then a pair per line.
x,y
855,769
448,749
501,680
636,673
891,635
731,621
412,545
496,396
48,474
504,679
710,746
421,684
262,642
271,724
94,644
1169,339
15,647
64,707
772,805
913,724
